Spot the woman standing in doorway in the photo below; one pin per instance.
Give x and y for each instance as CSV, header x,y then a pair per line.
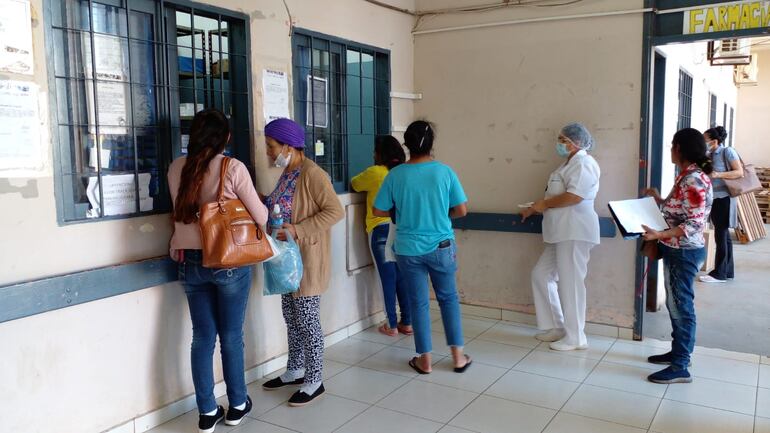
x,y
686,210
217,297
570,230
307,199
388,154
426,195
727,165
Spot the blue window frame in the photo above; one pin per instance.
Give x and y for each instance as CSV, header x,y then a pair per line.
x,y
124,93
685,100
348,103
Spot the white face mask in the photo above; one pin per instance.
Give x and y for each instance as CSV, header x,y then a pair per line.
x,y
282,161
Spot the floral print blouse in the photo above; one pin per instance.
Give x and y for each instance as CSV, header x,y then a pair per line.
x,y
283,195
688,206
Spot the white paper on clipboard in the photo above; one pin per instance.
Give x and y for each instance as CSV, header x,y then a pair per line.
x,y
632,214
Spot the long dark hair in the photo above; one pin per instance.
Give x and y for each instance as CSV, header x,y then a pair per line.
x,y
209,133
419,137
718,133
389,151
692,148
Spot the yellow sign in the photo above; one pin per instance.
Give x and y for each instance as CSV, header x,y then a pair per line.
x,y
731,16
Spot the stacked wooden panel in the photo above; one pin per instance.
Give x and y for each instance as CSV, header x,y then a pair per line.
x,y
763,197
751,223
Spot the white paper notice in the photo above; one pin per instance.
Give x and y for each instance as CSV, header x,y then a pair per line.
x,y
119,194
16,37
631,214
275,95
20,146
111,70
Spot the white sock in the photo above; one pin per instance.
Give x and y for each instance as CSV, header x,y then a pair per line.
x,y
212,413
292,375
240,406
310,388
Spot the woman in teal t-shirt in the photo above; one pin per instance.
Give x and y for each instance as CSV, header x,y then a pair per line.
x,y
426,194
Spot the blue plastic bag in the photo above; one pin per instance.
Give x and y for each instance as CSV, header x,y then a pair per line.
x,y
283,272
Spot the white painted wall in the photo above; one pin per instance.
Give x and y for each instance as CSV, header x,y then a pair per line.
x,y
753,128
499,96
97,365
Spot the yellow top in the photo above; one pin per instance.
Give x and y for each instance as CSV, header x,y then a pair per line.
x,y
370,181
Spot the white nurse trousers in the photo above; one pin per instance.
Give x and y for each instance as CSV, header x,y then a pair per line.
x,y
558,286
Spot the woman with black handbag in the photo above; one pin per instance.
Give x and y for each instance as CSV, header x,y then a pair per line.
x,y
217,297
727,165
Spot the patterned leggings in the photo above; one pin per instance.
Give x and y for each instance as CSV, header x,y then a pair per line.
x,y
306,339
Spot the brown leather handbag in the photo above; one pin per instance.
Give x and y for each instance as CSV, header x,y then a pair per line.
x,y
230,236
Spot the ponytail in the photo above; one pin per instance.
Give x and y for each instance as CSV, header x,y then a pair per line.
x,y
706,165
419,137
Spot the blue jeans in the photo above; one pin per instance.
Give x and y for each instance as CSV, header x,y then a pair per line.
x,y
680,268
441,266
392,285
217,300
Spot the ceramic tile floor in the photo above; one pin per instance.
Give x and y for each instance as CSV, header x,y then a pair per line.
x,y
516,385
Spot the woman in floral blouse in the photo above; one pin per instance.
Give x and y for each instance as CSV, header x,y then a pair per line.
x,y
686,210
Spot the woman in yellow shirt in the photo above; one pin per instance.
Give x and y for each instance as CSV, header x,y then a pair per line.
x,y
388,153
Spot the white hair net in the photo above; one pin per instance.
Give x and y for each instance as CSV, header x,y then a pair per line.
x,y
579,135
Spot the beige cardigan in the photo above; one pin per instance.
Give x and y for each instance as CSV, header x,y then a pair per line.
x,y
316,209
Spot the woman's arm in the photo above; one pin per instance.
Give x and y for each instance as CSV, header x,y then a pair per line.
x,y
244,189
380,213
459,211
735,173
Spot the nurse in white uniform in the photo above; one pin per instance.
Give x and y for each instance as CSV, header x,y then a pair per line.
x,y
570,230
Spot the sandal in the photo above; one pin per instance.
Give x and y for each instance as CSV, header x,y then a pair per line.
x,y
462,369
413,364
387,330
405,329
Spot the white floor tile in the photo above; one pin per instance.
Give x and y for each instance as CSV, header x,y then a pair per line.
x,y
453,429
427,400
511,334
727,370
364,385
325,415
379,420
438,341
764,376
652,342
499,355
569,423
189,423
763,402
676,417
476,378
714,394
352,351
256,426
372,334
620,407
263,401
557,365
394,360
625,378
494,415
597,347
333,368
720,353
472,326
761,425
533,389
634,354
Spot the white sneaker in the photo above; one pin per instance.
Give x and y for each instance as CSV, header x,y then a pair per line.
x,y
550,335
709,279
563,347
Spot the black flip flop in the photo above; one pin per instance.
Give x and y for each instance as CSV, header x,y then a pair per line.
x,y
462,369
413,364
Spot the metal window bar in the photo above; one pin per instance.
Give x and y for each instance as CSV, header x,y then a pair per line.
x,y
138,208
96,109
221,65
194,68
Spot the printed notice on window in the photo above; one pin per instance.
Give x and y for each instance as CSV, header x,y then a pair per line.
x,y
20,147
15,37
119,192
275,95
317,102
111,90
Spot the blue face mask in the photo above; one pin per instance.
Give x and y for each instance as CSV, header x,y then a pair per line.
x,y
562,150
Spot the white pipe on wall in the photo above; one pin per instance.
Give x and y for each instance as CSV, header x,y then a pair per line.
x,y
534,20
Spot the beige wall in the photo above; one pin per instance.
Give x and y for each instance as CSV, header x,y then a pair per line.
x,y
752,128
499,96
97,365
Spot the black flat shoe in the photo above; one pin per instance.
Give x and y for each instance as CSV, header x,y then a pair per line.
x,y
277,383
208,423
462,369
235,416
413,364
301,399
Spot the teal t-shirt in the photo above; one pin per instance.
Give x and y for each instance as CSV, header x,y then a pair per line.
x,y
422,195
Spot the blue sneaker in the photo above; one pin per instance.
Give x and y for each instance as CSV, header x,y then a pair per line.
x,y
670,375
